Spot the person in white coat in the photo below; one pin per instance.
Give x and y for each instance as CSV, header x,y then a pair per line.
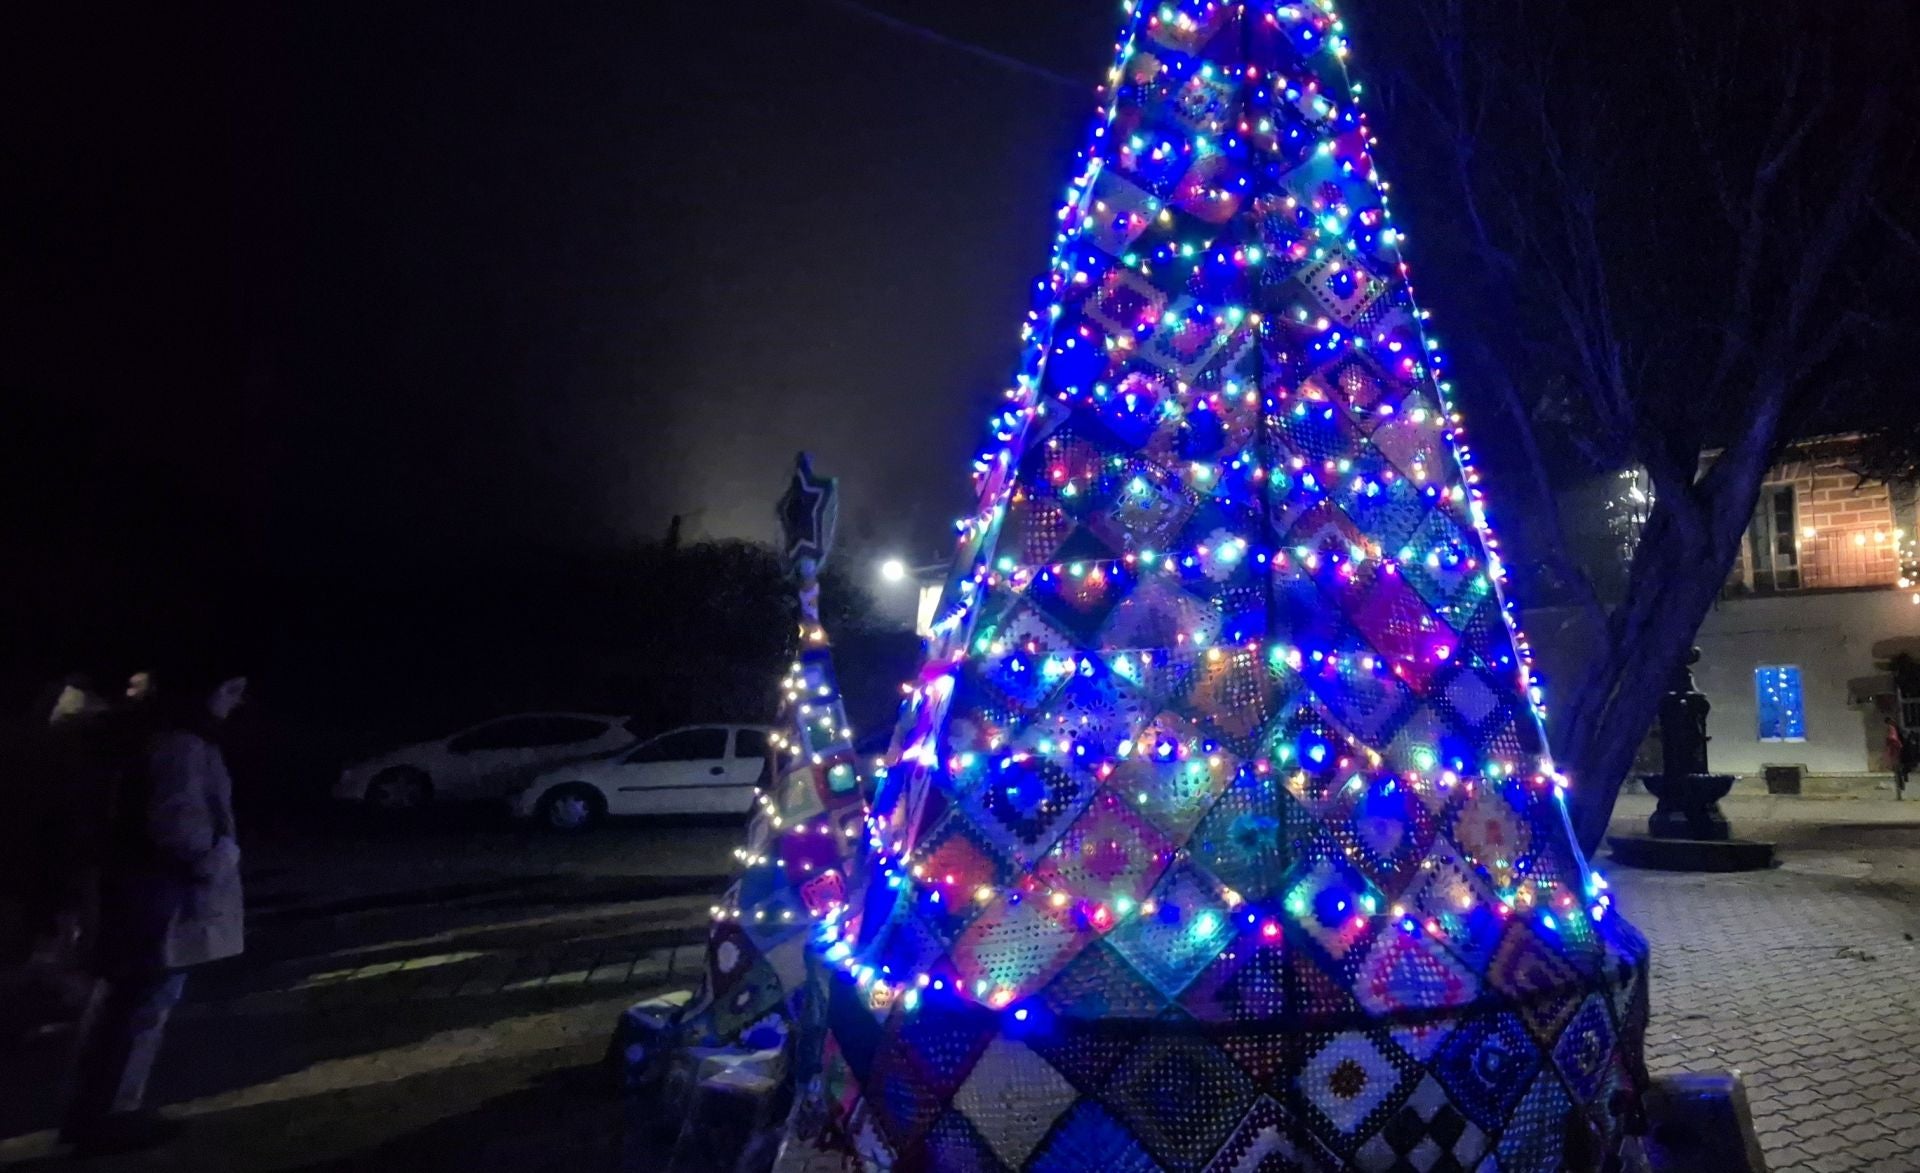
x,y
170,900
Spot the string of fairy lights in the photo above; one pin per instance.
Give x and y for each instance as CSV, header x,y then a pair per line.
x,y
814,717
1319,766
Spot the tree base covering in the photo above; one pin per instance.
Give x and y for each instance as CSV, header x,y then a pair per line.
x,y
1221,831
1533,1078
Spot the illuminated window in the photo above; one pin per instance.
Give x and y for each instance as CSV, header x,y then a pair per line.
x,y
1773,546
1783,716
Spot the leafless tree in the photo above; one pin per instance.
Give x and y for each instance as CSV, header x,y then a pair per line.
x,y
1665,221
1892,449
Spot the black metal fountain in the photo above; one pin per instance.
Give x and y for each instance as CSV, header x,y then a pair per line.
x,y
1688,832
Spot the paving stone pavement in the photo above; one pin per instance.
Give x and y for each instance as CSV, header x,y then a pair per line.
x,y
1805,980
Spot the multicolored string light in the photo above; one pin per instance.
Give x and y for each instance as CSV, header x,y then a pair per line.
x,y
1334,236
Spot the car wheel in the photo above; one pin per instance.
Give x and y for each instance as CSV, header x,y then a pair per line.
x,y
399,789
573,807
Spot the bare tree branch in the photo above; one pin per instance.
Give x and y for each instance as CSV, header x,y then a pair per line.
x,y
1672,327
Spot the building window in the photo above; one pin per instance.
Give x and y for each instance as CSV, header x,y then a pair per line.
x,y
1783,716
1773,547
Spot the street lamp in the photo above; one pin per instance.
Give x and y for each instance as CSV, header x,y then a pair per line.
x,y
926,581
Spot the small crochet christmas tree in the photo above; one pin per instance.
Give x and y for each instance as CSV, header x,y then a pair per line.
x,y
794,867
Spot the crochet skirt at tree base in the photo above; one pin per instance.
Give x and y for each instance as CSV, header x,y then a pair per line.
x,y
1529,1077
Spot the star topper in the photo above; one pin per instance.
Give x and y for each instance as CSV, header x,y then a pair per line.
x,y
808,512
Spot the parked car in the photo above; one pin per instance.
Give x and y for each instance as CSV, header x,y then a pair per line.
x,y
695,770
484,762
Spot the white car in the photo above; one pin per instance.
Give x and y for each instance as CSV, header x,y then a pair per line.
x,y
486,762
696,770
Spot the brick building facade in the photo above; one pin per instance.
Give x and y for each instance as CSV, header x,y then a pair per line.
x,y
1797,656
1818,526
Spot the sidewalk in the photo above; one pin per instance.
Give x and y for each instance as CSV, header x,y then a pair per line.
x,y
1804,979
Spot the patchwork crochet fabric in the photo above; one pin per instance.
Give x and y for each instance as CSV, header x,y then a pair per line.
x,y
793,869
1223,834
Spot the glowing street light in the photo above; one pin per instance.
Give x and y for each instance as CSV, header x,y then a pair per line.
x,y
926,582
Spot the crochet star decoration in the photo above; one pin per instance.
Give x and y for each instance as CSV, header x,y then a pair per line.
x,y
808,512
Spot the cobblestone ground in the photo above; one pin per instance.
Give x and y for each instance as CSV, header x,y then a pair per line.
x,y
1804,979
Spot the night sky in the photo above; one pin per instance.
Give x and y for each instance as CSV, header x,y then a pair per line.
x,y
403,282
374,290
556,277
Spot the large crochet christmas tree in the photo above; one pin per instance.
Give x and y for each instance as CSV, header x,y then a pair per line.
x,y
1223,834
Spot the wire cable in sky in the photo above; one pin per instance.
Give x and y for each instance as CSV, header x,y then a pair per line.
x,y
972,50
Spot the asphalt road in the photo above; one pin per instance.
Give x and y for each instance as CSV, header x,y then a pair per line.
x,y
433,995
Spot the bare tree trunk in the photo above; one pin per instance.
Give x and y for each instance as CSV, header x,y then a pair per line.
x,y
1691,540
1658,629
1789,136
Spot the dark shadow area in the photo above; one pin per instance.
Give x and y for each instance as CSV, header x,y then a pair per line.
x,y
538,1120
202,1060
211,1054
594,948
567,1121
287,908
360,866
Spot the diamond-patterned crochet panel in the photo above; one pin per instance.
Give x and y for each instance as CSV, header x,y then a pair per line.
x,y
1165,1092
